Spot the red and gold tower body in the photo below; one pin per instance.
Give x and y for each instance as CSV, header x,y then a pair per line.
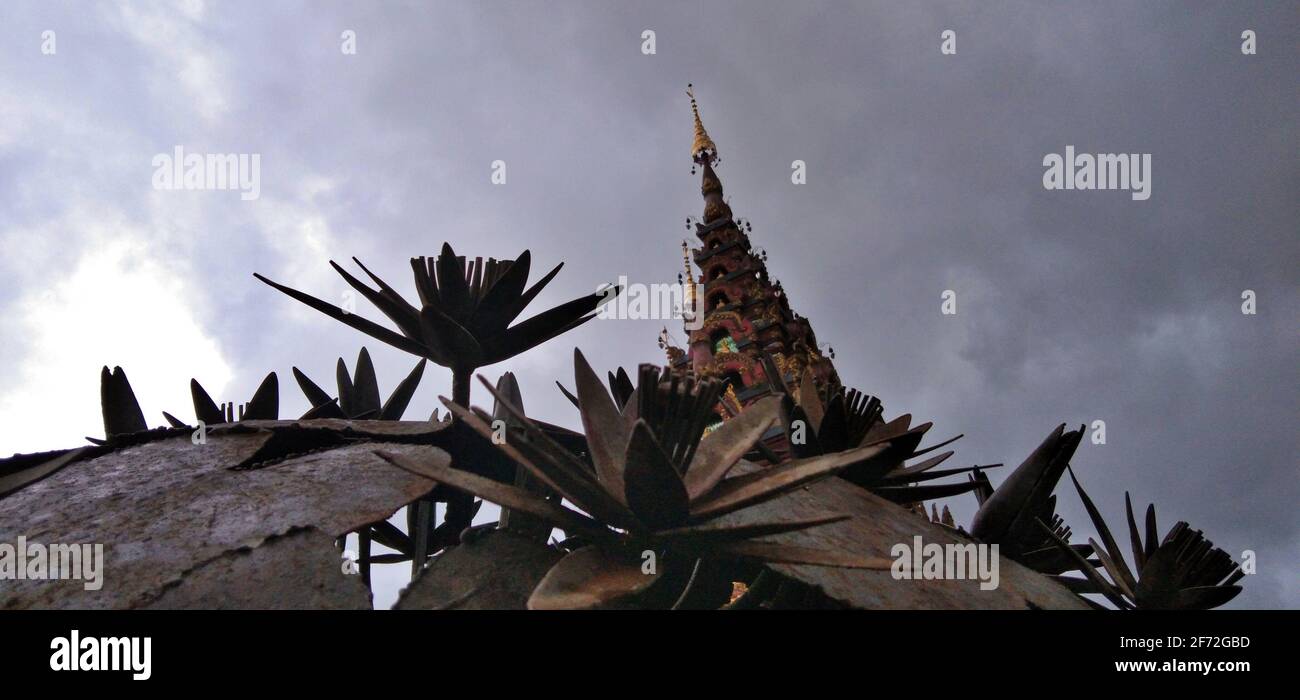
x,y
745,314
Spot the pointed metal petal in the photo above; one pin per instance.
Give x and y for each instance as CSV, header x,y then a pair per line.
x,y
809,400
1117,575
721,449
347,392
370,328
502,495
654,491
740,491
397,402
1036,477
452,341
1109,591
329,409
932,448
517,306
265,404
365,385
1153,537
886,431
620,385
551,462
1134,535
568,395
1117,566
452,287
397,309
908,472
923,492
205,409
315,395
121,411
607,437
592,577
500,303
541,328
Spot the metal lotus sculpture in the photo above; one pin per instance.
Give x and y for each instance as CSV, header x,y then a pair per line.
x,y
463,323
1010,515
653,488
465,313
848,419
1184,571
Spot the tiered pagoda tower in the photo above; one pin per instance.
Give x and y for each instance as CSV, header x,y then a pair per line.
x,y
745,313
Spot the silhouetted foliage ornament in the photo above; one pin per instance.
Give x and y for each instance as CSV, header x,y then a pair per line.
x,y
1009,515
1184,571
466,311
122,414
265,405
849,419
653,486
358,393
463,323
121,410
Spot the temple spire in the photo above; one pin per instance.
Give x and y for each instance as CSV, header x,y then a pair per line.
x,y
705,155
703,150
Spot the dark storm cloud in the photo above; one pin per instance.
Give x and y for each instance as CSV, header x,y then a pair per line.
x,y
924,174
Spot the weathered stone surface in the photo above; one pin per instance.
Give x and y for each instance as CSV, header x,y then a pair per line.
x,y
876,526
496,570
299,570
165,508
365,428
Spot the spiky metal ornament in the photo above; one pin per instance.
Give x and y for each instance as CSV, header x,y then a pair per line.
x,y
654,489
358,393
1010,516
825,424
466,311
122,414
463,323
1184,571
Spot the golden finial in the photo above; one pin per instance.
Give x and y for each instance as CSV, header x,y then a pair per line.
x,y
702,148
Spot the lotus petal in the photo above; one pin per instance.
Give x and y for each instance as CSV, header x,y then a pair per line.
x,y
809,400
370,328
655,492
607,437
397,309
265,404
205,409
121,411
592,577
740,491
396,404
502,495
365,385
315,395
720,451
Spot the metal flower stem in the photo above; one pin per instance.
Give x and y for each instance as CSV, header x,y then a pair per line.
x,y
459,504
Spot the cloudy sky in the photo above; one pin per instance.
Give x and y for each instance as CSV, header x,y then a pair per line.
x,y
924,175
